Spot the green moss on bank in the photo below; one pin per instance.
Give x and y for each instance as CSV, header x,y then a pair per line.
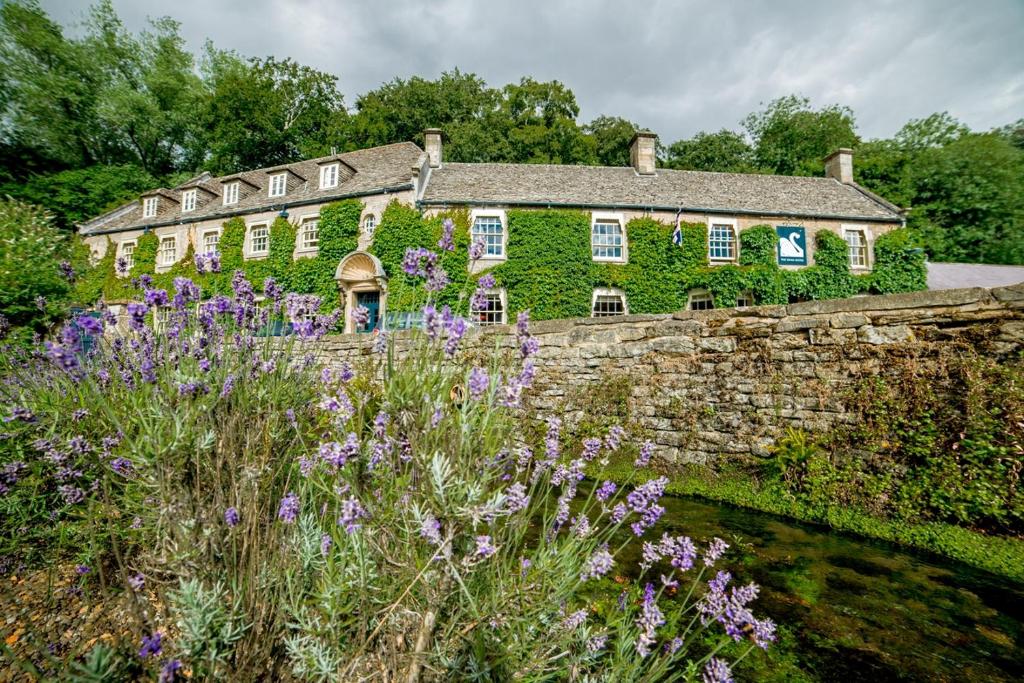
x,y
1000,555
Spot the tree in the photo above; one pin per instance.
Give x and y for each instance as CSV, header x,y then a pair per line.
x,y
611,135
936,130
967,200
270,112
543,119
725,151
791,138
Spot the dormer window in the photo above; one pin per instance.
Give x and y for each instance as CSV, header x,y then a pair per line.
x,y
278,184
188,200
149,207
231,193
328,176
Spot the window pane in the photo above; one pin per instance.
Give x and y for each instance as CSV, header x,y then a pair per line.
x,y
168,251
489,229
128,252
608,305
210,242
606,240
370,224
492,313
721,243
310,233
701,301
858,248
259,240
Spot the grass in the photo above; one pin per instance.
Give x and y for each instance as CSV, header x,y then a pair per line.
x,y
999,555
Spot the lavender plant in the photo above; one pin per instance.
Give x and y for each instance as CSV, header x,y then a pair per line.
x,y
387,522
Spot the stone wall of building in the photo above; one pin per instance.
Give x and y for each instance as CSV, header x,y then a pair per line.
x,y
727,382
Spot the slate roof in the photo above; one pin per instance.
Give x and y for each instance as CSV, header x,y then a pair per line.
x,y
376,169
604,186
961,275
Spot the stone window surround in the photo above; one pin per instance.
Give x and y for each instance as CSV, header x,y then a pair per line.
x,y
869,244
734,224
503,297
202,239
605,216
302,220
701,295
501,216
608,291
249,253
364,223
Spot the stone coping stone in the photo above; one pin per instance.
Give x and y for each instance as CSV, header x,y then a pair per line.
x,y
888,302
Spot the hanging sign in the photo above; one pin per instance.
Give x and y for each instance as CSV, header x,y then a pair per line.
x,y
792,245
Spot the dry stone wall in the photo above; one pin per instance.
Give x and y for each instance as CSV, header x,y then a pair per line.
x,y
727,382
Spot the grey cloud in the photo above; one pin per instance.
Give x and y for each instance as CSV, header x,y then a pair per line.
x,y
677,67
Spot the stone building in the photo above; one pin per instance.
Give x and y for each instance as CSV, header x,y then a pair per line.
x,y
193,213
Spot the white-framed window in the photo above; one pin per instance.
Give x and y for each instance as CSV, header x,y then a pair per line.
x,y
188,200
231,193
607,238
493,310
309,234
278,185
369,224
259,239
857,245
722,245
127,250
211,240
328,176
149,206
700,300
489,227
167,254
605,303
745,298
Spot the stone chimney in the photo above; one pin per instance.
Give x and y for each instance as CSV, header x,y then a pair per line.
x,y
432,145
641,152
839,165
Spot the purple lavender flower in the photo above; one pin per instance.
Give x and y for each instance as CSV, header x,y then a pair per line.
x,y
606,491
360,316
614,437
644,458
380,341
67,271
430,529
137,582
456,330
288,511
169,672
650,619
122,466
516,498
597,643
41,303
156,297
476,249
484,547
72,494
229,385
137,315
336,454
716,671
213,260
716,548
325,544
447,241
82,570
599,564
152,645
575,620
231,517
351,512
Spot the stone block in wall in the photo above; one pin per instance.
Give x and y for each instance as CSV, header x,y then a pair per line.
x,y
1011,293
844,320
927,299
869,334
785,341
832,336
718,344
796,324
673,345
1012,331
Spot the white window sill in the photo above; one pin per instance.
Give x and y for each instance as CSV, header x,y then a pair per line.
x,y
722,262
257,257
306,253
620,261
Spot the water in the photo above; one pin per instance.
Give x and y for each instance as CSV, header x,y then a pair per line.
x,y
858,610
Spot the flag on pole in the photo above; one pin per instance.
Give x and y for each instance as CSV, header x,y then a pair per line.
x,y
677,235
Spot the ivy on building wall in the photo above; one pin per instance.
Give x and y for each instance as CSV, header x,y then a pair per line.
x,y
549,269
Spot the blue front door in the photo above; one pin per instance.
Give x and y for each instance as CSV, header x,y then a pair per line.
x,y
371,300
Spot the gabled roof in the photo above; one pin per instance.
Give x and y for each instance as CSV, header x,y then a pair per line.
x,y
377,169
697,191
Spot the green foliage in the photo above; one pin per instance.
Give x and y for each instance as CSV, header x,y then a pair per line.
x,y
791,138
724,151
282,251
549,263
656,267
899,264
401,227
757,246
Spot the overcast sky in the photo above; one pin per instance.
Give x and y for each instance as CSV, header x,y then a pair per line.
x,y
676,67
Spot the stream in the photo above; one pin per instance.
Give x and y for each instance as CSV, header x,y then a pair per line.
x,y
861,610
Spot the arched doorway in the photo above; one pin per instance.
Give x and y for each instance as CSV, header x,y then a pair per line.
x,y
362,282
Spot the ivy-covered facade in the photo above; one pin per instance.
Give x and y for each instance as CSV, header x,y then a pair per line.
x,y
558,241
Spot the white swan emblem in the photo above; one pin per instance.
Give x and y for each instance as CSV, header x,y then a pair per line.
x,y
788,247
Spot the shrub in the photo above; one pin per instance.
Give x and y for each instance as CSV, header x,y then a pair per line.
x,y
333,524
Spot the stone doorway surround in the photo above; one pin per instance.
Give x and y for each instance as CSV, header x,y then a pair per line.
x,y
360,271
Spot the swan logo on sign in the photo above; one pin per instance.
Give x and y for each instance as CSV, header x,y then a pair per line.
x,y
792,249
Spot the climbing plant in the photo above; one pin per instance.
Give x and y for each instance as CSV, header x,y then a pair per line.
x,y
549,269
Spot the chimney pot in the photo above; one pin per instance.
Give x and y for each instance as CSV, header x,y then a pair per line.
x,y
642,155
432,145
839,165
